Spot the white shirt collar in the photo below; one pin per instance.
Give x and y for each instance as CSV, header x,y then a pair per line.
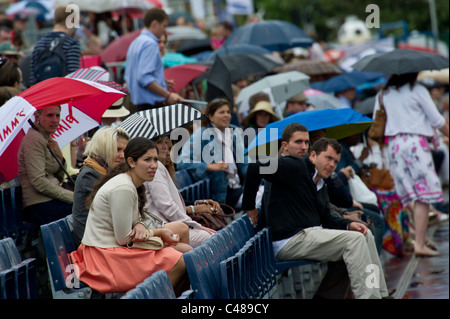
x,y
320,182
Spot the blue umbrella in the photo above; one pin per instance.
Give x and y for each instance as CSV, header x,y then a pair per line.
x,y
274,35
338,123
346,81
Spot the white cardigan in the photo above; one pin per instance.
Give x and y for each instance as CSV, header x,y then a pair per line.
x,y
410,111
114,212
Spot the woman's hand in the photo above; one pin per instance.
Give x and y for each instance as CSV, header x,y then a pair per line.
x,y
167,236
139,233
208,230
207,206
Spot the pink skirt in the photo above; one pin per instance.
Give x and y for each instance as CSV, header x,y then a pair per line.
x,y
120,269
412,167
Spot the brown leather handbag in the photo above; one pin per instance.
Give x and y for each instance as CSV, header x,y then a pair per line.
x,y
378,178
214,221
376,130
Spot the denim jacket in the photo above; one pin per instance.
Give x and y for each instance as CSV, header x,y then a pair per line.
x,y
195,159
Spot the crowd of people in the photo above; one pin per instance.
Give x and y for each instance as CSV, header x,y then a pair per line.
x,y
125,193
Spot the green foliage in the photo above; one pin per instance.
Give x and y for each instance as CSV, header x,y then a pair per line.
x,y
327,15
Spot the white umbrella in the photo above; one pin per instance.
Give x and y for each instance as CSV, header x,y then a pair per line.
x,y
321,100
282,86
176,33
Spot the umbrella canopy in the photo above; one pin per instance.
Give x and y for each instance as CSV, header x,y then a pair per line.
x,y
401,61
321,100
232,67
117,50
274,35
282,87
83,100
177,33
238,48
184,74
157,122
338,123
107,5
317,70
90,74
42,8
195,46
346,81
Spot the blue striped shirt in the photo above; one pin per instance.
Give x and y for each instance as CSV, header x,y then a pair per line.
x,y
71,47
144,66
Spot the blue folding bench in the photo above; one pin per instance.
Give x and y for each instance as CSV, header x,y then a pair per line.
x,y
203,262
59,243
157,286
18,279
11,223
8,212
248,274
197,190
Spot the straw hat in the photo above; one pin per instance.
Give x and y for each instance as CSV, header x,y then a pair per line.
x,y
116,110
261,106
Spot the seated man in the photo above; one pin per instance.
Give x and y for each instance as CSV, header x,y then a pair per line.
x,y
302,226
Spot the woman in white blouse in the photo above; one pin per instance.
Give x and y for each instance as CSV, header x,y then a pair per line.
x,y
411,117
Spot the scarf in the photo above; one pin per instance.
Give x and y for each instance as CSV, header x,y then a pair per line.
x,y
98,164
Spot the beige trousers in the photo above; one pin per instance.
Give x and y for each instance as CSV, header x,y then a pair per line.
x,y
358,252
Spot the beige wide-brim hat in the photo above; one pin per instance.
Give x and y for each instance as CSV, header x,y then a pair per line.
x,y
261,106
117,110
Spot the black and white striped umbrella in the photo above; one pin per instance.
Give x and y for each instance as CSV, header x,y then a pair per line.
x,y
160,121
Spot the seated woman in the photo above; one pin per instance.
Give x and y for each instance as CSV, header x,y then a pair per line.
x,y
40,174
220,157
103,153
116,219
165,201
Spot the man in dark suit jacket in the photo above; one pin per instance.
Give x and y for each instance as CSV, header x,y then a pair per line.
x,y
301,223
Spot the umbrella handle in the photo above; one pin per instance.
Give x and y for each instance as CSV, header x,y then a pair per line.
x,y
196,102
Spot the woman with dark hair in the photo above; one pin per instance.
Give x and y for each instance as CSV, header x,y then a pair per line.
x,y
116,212
411,117
220,157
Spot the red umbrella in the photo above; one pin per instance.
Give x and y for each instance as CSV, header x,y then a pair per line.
x,y
86,101
183,74
116,51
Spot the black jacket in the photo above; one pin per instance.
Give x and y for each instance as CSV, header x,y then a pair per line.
x,y
294,202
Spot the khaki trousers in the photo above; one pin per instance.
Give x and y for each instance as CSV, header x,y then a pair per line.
x,y
359,253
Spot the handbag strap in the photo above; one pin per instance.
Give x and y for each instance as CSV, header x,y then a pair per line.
x,y
380,101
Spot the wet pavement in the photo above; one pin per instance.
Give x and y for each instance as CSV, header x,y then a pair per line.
x,y
421,277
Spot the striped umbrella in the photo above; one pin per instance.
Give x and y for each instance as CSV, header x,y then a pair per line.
x,y
157,122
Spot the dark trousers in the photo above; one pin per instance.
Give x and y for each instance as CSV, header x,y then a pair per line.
x,y
44,213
